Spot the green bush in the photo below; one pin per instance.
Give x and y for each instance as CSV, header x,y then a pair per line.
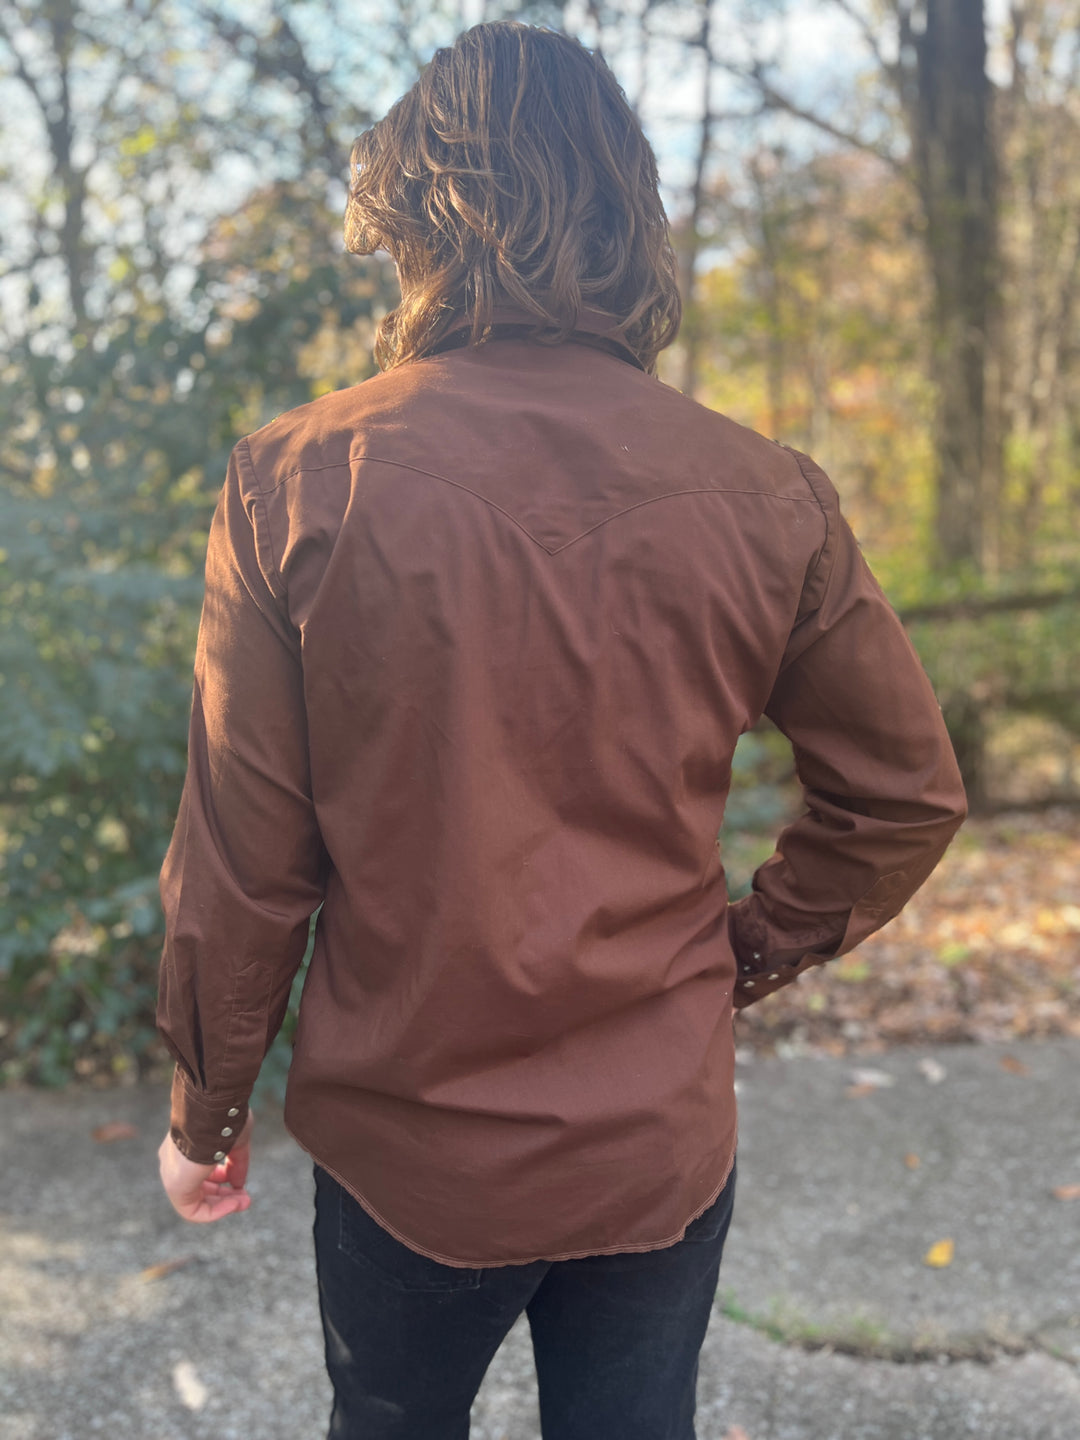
x,y
96,693
111,457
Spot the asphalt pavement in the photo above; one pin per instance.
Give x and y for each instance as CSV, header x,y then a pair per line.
x,y
832,1319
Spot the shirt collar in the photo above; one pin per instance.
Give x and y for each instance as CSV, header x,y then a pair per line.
x,y
594,327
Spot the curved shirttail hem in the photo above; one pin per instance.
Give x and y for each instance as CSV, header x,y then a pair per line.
x,y
457,1264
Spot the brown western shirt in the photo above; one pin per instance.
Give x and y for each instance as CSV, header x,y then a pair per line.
x,y
479,637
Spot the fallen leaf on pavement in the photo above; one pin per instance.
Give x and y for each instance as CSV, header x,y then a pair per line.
x,y
1066,1192
736,1433
166,1267
940,1255
912,1161
876,1079
113,1130
853,1092
191,1390
1012,1065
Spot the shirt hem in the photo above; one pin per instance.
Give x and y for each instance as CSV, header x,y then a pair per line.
x,y
459,1264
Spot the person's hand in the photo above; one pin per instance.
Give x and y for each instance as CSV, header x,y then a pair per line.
x,y
202,1193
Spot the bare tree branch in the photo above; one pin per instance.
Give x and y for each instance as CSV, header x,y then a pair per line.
x,y
59,127
283,59
21,71
869,37
774,99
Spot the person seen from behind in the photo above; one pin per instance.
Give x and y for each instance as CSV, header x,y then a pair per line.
x,y
479,638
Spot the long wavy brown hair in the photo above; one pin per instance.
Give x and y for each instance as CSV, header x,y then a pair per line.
x,y
514,174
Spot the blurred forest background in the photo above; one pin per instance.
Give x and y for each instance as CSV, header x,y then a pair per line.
x,y
876,206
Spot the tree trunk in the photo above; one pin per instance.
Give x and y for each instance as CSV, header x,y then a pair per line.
x,y
689,245
949,107
770,245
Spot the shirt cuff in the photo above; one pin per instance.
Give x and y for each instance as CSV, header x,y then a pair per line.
x,y
749,988
204,1127
762,967
767,959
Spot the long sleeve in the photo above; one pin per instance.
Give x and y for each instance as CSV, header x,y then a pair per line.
x,y
245,869
883,792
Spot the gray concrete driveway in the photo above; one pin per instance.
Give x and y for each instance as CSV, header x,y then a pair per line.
x,y
829,1325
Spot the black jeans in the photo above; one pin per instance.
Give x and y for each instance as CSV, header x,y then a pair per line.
x,y
616,1337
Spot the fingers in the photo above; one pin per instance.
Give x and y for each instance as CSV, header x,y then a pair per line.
x,y
207,1209
236,1165
202,1193
221,1187
210,1200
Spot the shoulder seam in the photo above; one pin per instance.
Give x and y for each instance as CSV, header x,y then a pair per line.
x,y
273,579
799,458
830,529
